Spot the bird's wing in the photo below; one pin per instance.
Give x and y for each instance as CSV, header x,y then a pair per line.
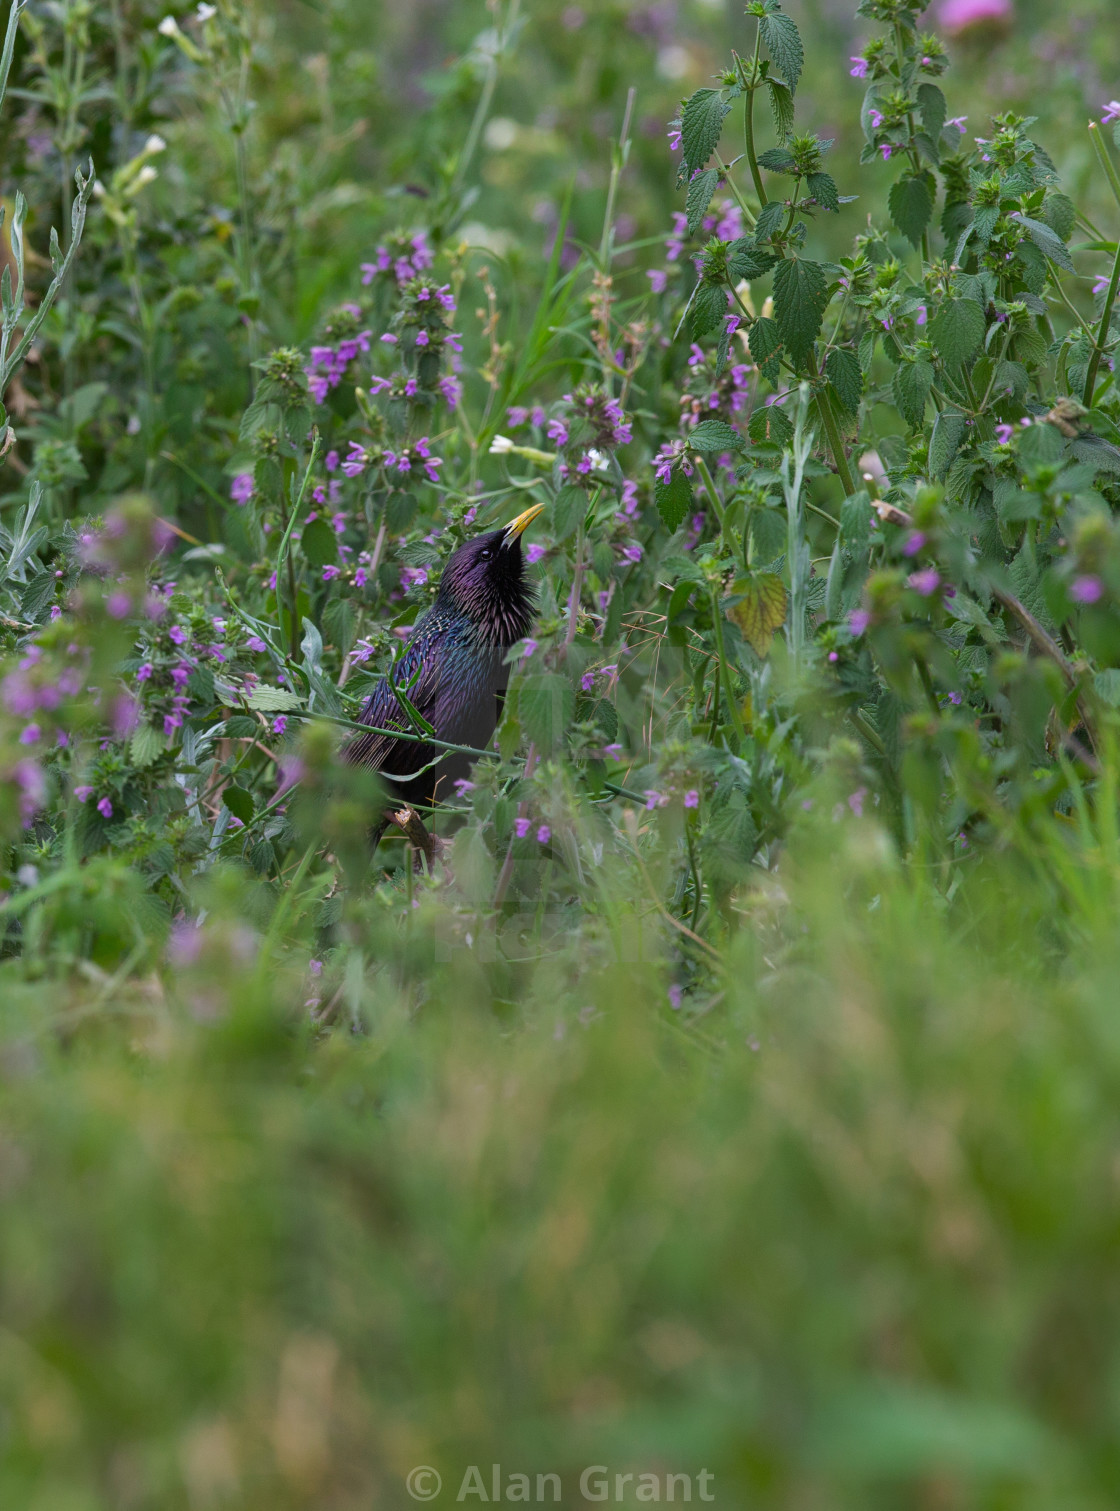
x,y
383,752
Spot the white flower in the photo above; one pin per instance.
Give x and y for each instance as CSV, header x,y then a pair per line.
x,y
599,460
145,176
500,445
168,27
154,144
204,12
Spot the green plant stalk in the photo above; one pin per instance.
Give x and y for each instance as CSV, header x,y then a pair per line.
x,y
832,431
9,44
482,109
1105,159
748,116
725,670
710,488
284,552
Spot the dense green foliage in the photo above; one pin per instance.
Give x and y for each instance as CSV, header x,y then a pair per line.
x,y
735,1093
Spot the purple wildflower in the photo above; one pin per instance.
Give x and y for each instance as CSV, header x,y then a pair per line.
x,y
1086,589
105,807
241,489
925,582
692,798
858,69
544,834
534,552
279,724
521,827
658,279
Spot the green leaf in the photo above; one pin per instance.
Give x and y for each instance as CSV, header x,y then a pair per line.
x,y
746,259
866,352
948,432
855,521
800,296
783,42
239,802
781,104
700,192
715,435
544,708
1048,242
957,330
709,306
760,610
1059,213
701,124
911,204
770,424
273,699
568,511
911,387
146,745
318,543
822,186
932,108
673,499
843,370
765,342
770,217
777,160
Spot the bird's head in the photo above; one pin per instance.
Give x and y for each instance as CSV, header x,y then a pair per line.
x,y
485,579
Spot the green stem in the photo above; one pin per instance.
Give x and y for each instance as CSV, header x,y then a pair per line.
x,y
748,118
835,444
1105,160
725,670
285,553
748,213
1102,332
709,488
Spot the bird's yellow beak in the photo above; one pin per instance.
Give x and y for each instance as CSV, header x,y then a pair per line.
x,y
519,525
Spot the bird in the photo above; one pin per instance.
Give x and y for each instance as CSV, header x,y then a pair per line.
x,y
452,670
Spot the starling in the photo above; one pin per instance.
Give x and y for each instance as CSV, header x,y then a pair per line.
x,y
453,669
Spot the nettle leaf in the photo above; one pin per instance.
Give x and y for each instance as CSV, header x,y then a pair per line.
x,y
715,435
239,802
769,219
957,330
770,424
1047,241
765,342
1059,212
701,124
709,306
783,43
746,259
948,432
700,192
673,499
822,186
912,383
911,204
932,108
273,700
761,610
781,104
843,370
777,160
545,703
866,352
800,297
319,543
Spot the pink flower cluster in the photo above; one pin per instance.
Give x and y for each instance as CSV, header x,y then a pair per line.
x,y
328,364
411,257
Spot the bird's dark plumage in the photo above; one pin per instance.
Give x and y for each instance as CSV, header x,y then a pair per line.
x,y
483,607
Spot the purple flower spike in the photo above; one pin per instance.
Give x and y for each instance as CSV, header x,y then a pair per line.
x,y
858,69
105,807
926,582
521,827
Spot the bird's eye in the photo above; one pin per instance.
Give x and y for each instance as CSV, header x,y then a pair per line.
x,y
485,555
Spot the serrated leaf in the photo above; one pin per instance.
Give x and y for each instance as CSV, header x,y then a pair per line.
x,y
910,202
781,104
700,192
770,218
673,499
855,520
746,259
948,433
761,610
568,511
800,297
146,745
783,42
709,306
715,435
777,160
933,110
866,352
822,186
701,125
843,371
957,330
319,543
770,424
273,699
1047,241
544,708
239,802
765,341
911,388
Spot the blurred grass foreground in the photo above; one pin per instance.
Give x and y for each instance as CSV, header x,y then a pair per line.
x,y
784,1180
